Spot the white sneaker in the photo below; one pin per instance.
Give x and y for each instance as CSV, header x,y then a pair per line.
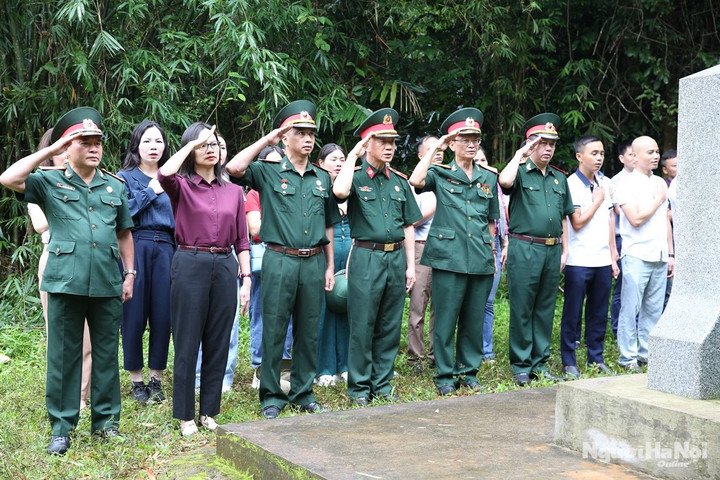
x,y
188,428
326,381
255,381
208,422
226,388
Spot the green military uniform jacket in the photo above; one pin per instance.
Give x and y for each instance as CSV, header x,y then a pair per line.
x,y
380,205
296,208
459,239
84,221
538,204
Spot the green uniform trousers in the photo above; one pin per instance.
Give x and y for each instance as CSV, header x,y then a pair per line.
x,y
66,319
459,301
533,277
290,286
376,300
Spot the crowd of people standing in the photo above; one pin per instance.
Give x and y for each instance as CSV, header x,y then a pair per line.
x,y
175,244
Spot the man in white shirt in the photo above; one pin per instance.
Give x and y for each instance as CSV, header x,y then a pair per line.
x,y
591,258
647,256
627,159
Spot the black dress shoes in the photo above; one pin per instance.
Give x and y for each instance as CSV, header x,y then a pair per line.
x,y
390,397
58,445
314,407
571,371
360,402
446,390
521,379
270,412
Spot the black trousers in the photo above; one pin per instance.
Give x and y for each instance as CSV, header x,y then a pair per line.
x,y
204,299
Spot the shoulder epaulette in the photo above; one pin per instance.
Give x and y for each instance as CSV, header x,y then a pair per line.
x,y
441,165
52,167
398,173
269,160
559,170
488,168
112,175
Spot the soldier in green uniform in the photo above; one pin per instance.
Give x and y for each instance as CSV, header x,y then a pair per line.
x,y
539,203
90,225
298,213
459,248
381,265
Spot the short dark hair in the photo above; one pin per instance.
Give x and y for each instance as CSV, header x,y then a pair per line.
x,y
267,150
421,140
583,141
188,167
622,147
667,156
44,143
132,155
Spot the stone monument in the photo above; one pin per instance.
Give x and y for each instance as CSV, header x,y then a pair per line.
x,y
684,346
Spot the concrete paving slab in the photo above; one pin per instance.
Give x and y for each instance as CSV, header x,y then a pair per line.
x,y
495,436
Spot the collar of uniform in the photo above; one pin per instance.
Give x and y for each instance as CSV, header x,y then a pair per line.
x,y
287,165
71,176
372,171
460,173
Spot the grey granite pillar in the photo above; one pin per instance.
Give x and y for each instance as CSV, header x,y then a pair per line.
x,y
684,347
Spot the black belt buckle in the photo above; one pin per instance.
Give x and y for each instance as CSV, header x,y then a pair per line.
x,y
304,252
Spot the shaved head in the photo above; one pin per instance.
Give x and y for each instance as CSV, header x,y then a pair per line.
x,y
647,154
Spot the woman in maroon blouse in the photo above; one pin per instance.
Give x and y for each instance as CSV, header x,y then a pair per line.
x,y
209,223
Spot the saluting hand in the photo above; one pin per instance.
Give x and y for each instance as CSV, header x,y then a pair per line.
x,y
275,136
526,150
359,148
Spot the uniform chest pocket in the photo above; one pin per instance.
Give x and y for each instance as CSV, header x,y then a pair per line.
x,y
534,194
109,215
452,194
558,194
368,203
61,261
285,197
319,197
485,195
66,204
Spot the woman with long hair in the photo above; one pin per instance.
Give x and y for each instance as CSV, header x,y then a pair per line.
x,y
152,233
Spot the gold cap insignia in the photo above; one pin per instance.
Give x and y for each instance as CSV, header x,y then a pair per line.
x,y
387,120
304,115
470,122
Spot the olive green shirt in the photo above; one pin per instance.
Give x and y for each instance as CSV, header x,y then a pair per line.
x,y
84,221
380,205
459,239
538,203
296,209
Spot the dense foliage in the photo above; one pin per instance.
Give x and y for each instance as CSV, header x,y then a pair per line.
x,y
608,68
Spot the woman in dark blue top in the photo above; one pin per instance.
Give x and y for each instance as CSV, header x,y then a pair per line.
x,y
154,247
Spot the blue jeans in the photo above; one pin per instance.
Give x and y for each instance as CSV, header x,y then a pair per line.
x,y
617,291
256,326
490,307
643,293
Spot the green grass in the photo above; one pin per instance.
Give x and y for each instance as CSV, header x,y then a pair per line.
x,y
152,437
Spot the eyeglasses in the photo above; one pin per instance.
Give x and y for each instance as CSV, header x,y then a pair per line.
x,y
208,146
468,141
